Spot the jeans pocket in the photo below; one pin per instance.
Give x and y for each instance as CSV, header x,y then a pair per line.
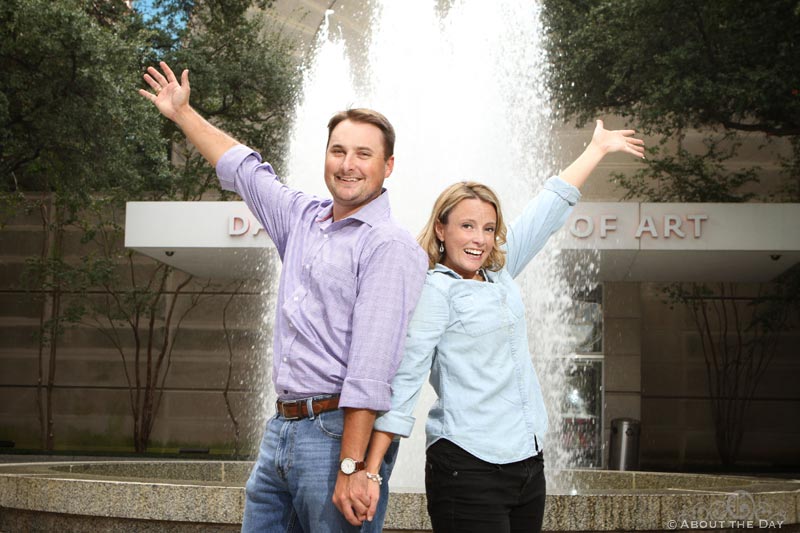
x,y
331,423
436,480
447,457
477,469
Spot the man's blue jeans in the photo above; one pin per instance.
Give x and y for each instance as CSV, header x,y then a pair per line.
x,y
292,482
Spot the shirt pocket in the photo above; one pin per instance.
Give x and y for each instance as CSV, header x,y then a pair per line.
x,y
479,316
335,288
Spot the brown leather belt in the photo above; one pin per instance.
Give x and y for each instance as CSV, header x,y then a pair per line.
x,y
298,409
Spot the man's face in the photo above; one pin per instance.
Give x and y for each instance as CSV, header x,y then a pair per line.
x,y
355,166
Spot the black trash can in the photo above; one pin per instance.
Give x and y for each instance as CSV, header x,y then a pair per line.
x,y
623,452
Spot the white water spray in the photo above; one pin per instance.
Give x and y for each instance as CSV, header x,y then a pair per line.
x,y
464,87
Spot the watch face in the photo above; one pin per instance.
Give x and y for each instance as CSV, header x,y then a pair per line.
x,y
348,466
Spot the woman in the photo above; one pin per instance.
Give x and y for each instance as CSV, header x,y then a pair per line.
x,y
484,468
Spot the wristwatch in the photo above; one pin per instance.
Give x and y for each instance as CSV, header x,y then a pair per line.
x,y
350,466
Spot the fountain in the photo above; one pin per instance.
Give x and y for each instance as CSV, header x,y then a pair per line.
x,y
468,101
462,84
208,496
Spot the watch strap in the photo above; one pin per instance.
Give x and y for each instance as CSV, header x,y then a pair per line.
x,y
357,465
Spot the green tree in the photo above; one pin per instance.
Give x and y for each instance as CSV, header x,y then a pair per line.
x,y
243,80
729,70
77,143
726,67
67,131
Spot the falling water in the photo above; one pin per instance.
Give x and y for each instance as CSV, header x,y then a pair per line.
x,y
463,84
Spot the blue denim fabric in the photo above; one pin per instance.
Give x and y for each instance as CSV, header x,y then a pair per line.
x,y
472,338
292,482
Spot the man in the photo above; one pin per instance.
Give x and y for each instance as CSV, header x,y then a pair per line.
x,y
350,280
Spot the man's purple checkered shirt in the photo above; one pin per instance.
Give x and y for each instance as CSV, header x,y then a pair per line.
x,y
347,288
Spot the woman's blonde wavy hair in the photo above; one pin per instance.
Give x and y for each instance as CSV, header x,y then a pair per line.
x,y
449,198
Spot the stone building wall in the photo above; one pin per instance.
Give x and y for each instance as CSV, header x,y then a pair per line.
x,y
622,325
91,396
677,425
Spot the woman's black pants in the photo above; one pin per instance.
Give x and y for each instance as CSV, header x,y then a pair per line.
x,y
466,494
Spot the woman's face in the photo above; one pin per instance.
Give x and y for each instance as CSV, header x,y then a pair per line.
x,y
468,236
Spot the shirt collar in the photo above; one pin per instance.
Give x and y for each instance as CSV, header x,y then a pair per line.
x,y
325,211
374,212
490,276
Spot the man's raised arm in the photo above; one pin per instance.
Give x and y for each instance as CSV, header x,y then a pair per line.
x,y
172,100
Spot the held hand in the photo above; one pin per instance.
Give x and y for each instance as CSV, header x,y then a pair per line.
x,y
351,496
170,96
617,141
374,490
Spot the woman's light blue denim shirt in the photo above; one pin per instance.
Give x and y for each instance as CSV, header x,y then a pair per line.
x,y
472,338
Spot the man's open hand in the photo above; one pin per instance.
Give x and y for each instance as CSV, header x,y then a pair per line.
x,y
169,96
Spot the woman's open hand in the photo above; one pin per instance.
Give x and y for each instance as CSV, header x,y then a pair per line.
x,y
617,141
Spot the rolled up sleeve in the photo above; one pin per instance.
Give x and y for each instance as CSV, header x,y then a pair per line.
x,y
389,287
567,192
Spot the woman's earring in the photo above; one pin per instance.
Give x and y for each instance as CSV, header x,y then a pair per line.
x,y
441,247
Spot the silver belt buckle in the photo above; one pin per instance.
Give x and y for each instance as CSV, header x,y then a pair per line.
x,y
282,411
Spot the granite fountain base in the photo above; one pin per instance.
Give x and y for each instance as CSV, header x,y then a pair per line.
x,y
208,496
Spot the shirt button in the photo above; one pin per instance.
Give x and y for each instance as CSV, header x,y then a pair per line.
x,y
326,235
296,298
306,266
285,359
